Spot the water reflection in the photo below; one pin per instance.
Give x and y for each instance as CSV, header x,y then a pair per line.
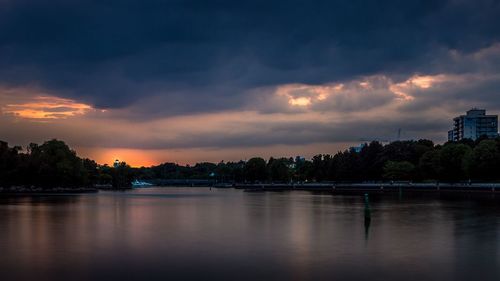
x,y
368,216
196,233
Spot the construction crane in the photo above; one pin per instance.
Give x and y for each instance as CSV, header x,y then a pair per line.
x,y
399,133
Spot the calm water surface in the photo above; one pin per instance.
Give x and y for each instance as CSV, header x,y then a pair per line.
x,y
203,234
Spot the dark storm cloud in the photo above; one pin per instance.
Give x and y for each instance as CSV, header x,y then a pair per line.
x,y
194,56
252,133
482,92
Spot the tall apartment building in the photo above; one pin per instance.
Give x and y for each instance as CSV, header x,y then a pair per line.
x,y
474,125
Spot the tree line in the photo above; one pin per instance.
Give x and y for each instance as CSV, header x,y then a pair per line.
x,y
54,164
411,160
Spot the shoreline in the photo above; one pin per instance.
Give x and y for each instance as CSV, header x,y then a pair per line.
x,y
335,188
37,190
338,188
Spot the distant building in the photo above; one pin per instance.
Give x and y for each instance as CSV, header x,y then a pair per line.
x,y
300,159
358,148
474,125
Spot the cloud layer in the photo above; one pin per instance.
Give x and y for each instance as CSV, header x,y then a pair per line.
x,y
180,75
114,53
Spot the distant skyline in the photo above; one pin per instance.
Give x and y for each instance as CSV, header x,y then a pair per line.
x,y
195,80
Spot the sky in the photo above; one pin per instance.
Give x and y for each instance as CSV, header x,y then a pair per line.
x,y
189,81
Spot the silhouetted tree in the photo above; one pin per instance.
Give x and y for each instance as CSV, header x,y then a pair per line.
x,y
399,170
347,166
54,164
9,163
255,169
483,162
430,165
371,162
58,165
279,170
122,175
451,159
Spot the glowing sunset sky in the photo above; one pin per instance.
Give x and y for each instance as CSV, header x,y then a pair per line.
x,y
190,81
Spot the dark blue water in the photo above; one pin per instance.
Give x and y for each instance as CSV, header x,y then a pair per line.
x,y
219,234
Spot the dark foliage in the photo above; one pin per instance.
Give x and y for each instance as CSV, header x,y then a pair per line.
x,y
54,164
400,160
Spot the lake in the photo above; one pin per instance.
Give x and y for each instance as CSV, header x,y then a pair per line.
x,y
227,234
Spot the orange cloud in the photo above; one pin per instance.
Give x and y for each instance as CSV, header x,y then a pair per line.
x,y
417,82
301,101
303,95
46,107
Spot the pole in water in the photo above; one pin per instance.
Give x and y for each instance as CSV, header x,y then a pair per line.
x,y
368,217
367,201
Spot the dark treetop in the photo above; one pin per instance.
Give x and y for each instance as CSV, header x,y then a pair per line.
x,y
54,164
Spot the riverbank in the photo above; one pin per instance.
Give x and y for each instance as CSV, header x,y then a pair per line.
x,y
38,190
376,187
109,187
335,188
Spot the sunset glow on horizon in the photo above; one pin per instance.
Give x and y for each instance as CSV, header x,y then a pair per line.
x,y
191,156
133,157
